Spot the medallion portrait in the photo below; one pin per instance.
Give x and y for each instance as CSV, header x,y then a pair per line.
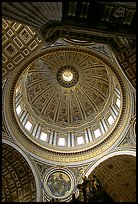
x,y
59,184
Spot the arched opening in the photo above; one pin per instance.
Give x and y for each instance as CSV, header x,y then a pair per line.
x,y
118,176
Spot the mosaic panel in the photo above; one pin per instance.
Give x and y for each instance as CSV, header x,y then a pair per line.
x,y
58,183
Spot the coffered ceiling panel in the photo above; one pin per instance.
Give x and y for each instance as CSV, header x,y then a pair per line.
x,y
18,43
18,183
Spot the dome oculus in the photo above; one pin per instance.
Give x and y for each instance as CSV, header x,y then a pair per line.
x,y
67,76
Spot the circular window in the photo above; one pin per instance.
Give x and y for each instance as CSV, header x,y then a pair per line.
x,y
67,76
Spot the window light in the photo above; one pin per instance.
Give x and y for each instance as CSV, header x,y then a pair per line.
x,y
18,110
118,102
17,90
61,141
28,125
43,136
117,90
97,133
110,120
80,140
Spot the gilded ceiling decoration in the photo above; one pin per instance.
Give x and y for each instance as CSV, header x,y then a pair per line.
x,y
63,102
63,90
67,101
67,76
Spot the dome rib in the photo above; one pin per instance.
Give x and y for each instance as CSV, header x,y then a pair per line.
x,y
43,91
48,101
80,107
94,89
89,98
56,116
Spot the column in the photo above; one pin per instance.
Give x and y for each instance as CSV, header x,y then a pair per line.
x,y
89,134
86,136
54,138
102,127
38,131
